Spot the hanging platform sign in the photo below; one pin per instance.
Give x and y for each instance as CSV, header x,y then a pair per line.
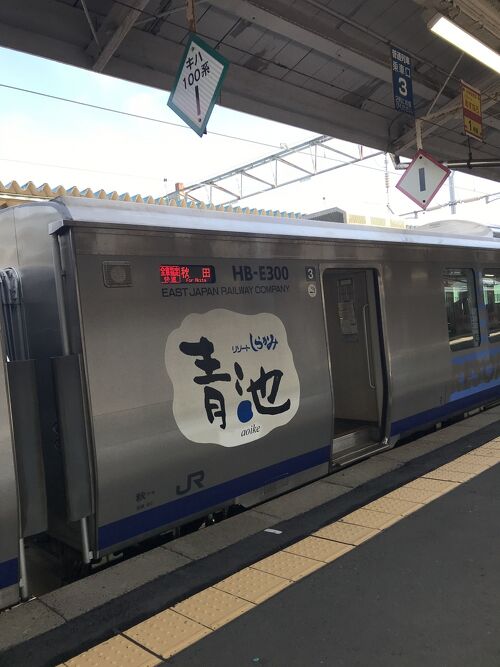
x,y
197,84
471,107
422,179
402,86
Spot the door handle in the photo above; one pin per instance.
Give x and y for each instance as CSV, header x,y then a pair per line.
x,y
368,355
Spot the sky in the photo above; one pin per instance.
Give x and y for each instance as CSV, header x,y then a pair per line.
x,y
63,143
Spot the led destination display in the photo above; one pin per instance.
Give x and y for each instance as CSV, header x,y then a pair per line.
x,y
186,274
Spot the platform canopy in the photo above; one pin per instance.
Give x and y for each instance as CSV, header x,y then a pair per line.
x,y
323,65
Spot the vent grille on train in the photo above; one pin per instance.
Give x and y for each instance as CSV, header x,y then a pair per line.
x,y
117,274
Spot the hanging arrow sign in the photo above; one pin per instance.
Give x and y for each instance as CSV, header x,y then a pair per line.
x,y
422,179
197,84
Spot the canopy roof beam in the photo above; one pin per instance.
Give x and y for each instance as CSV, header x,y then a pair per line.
x,y
282,18
116,26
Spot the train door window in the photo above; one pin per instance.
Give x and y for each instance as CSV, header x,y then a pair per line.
x,y
461,308
491,293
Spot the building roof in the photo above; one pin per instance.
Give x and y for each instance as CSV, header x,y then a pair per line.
x,y
14,194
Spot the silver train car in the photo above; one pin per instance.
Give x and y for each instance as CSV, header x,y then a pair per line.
x,y
22,485
187,361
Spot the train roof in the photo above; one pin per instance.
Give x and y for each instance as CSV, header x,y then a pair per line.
x,y
75,211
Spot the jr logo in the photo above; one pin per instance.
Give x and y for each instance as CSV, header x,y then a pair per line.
x,y
195,478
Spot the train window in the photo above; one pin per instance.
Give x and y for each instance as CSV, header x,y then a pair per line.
x,y
461,308
491,292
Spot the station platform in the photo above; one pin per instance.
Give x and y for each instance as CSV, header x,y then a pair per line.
x,y
421,591
392,561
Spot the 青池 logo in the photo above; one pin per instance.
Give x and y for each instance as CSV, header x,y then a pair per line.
x,y
233,376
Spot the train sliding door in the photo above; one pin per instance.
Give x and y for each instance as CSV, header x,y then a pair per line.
x,y
352,319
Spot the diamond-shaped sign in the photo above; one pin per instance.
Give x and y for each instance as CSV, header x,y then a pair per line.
x,y
422,179
197,85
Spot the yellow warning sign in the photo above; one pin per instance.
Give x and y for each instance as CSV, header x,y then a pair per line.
x,y
471,107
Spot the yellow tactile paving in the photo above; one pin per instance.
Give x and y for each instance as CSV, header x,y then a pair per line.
x,y
370,519
393,506
253,585
468,464
348,533
319,549
492,455
413,495
490,446
449,476
167,633
288,565
485,460
212,607
459,468
434,485
469,456
115,652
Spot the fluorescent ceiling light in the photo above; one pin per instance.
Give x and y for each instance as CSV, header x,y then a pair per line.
x,y
463,40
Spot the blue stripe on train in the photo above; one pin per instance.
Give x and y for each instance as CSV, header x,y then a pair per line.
x,y
128,527
9,573
467,400
169,513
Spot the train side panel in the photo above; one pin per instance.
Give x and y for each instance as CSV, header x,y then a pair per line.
x,y
165,437
433,380
178,397
417,339
199,392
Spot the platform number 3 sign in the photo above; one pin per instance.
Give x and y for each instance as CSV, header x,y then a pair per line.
x,y
197,84
402,87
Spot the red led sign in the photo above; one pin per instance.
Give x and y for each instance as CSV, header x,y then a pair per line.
x,y
182,274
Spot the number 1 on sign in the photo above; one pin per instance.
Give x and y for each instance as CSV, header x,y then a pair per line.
x,y
197,93
421,179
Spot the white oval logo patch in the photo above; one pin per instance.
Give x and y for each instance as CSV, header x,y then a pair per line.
x,y
233,376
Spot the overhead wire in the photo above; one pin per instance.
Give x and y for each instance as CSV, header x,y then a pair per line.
x,y
85,169
471,200
145,118
129,114
139,117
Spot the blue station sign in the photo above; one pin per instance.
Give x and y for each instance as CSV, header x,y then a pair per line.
x,y
402,81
